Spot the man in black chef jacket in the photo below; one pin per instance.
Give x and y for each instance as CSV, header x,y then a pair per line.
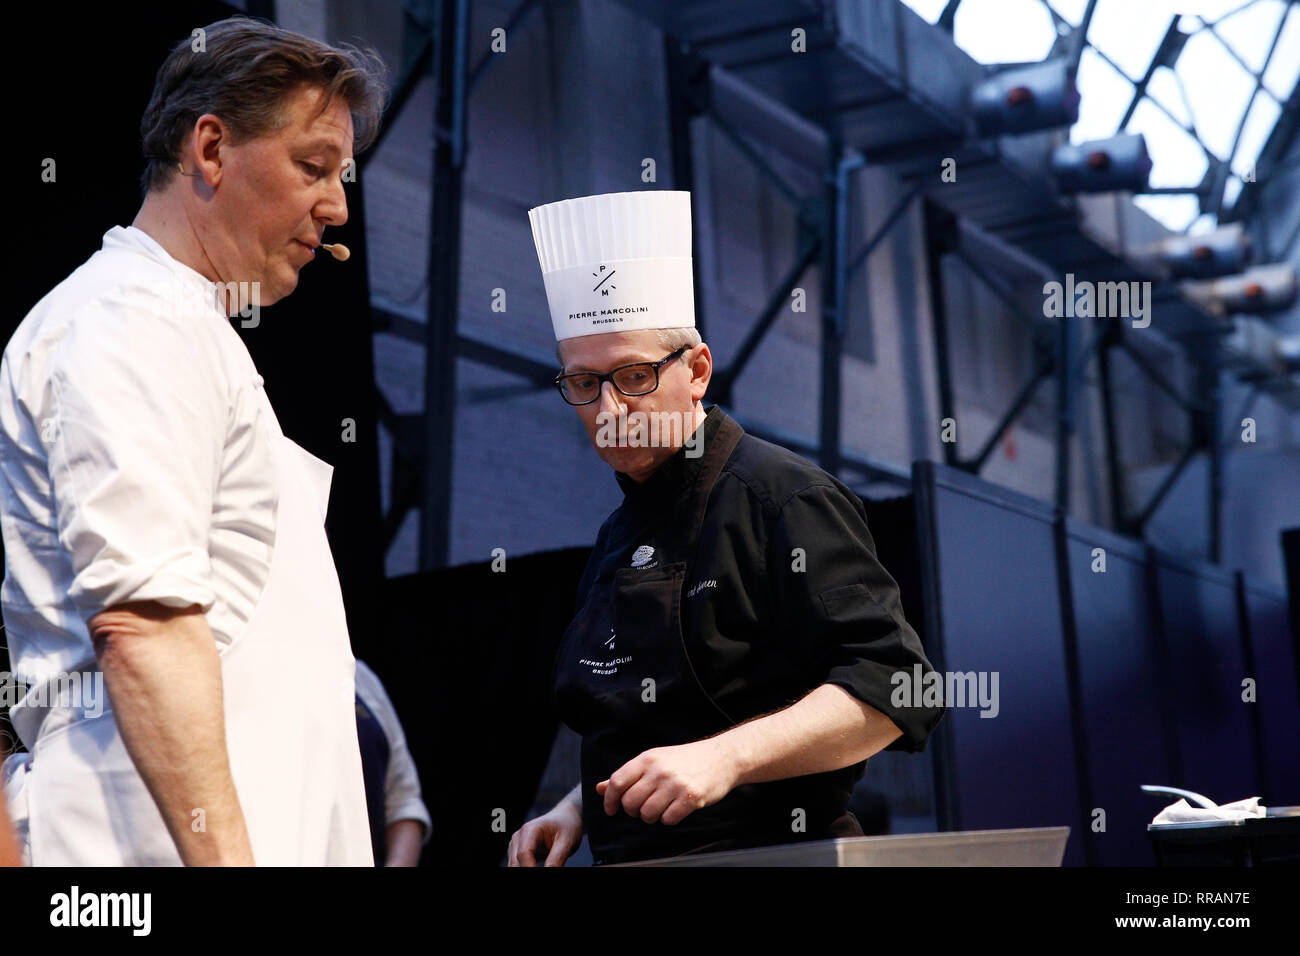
x,y
736,644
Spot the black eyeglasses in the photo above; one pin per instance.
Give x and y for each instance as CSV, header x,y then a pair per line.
x,y
639,378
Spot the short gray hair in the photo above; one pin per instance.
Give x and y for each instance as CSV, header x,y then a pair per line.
x,y
669,339
674,339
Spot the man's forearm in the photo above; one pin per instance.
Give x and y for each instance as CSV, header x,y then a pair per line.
x,y
163,676
826,729
405,840
574,797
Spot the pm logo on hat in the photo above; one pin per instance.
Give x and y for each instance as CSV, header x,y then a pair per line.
x,y
602,283
617,262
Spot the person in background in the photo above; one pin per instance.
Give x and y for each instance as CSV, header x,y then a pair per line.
x,y
399,821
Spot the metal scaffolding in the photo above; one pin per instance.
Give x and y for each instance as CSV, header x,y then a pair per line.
x,y
887,90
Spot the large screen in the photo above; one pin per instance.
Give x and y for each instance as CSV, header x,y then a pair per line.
x,y
994,559
1278,692
1202,638
1123,687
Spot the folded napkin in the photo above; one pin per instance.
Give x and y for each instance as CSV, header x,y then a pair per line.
x,y
1184,812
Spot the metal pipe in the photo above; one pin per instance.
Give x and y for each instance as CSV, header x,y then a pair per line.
x,y
1079,38
940,227
1154,374
1022,399
1251,394
1114,475
683,76
893,217
1165,485
834,300
1064,411
512,21
449,66
727,378
1210,387
752,155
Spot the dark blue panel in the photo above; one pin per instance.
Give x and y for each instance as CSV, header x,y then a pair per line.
x,y
1198,605
1001,614
1278,694
1119,669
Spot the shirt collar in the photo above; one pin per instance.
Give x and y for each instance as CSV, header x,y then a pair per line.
x,y
137,240
675,475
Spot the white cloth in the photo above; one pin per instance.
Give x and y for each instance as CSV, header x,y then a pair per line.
x,y
140,459
401,781
132,462
1184,812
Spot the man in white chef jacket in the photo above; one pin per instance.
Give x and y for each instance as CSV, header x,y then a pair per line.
x,y
164,541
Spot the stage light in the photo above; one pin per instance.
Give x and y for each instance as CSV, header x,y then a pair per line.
x,y
1024,99
1103,165
1271,288
1225,251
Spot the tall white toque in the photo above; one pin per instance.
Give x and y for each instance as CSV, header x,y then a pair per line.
x,y
617,262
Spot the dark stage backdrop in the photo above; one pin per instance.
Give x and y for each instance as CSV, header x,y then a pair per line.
x,y
1291,554
83,93
466,657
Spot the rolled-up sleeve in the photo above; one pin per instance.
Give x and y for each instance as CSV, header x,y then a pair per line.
x,y
841,610
136,419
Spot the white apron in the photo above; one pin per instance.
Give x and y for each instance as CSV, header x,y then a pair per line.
x,y
291,732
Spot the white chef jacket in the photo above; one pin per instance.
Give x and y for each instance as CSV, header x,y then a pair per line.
x,y
401,780
130,468
141,460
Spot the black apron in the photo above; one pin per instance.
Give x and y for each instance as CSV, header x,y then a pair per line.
x,y
629,630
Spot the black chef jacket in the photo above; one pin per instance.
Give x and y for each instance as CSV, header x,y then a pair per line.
x,y
725,587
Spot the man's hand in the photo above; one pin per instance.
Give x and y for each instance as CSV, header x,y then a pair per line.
x,y
668,784
558,833
826,729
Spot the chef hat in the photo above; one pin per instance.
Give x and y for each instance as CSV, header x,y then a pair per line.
x,y
617,262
